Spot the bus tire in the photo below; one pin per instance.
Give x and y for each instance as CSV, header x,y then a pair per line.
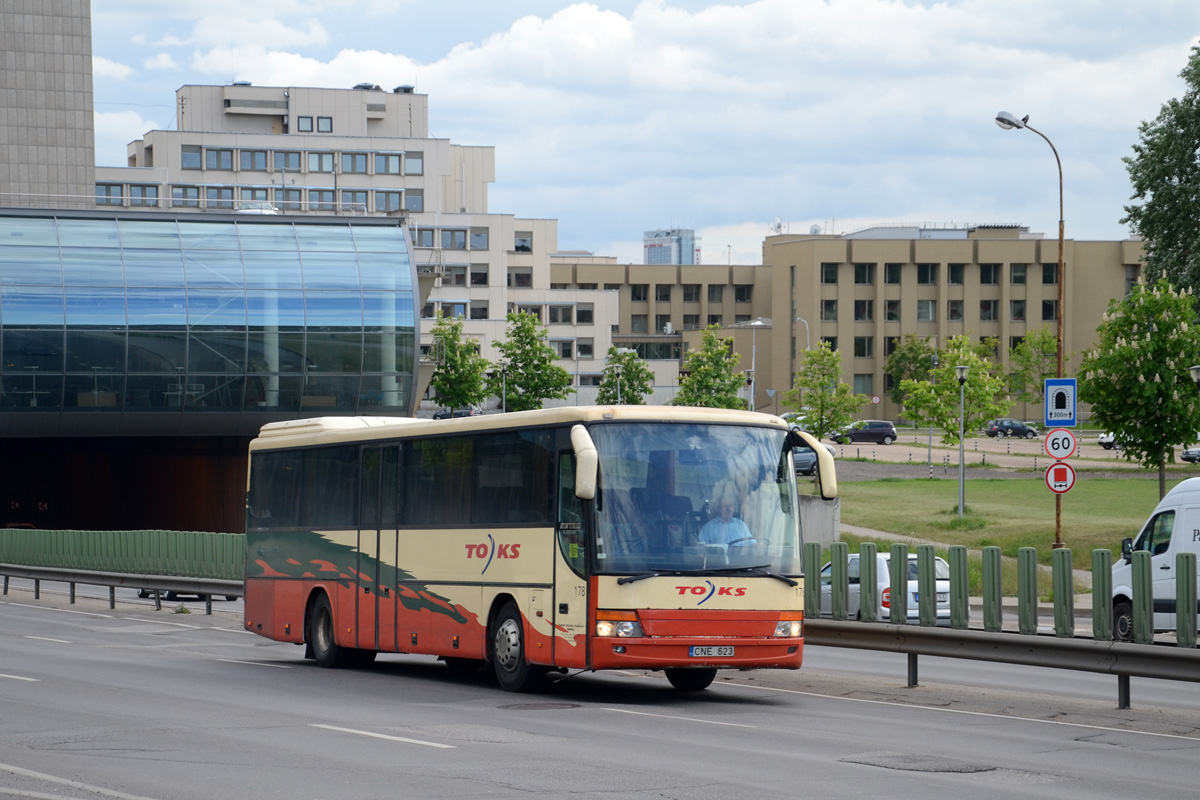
x,y
321,634
691,679
1122,621
513,672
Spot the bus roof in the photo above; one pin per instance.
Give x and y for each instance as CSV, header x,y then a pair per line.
x,y
330,430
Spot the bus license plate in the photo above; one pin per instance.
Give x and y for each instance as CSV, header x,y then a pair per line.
x,y
712,651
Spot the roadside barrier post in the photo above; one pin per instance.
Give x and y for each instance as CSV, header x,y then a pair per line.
x,y
898,585
1185,599
1064,593
1027,590
868,582
993,610
839,587
926,586
1143,598
1102,621
960,606
812,580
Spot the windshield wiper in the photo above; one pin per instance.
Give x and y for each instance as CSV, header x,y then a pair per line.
x,y
760,569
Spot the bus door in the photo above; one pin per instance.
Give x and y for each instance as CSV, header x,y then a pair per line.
x,y
569,605
375,605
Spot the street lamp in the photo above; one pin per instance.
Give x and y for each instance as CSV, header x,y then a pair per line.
x,y
1007,121
503,388
807,341
961,372
933,382
754,326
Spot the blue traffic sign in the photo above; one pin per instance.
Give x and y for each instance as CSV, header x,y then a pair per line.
x,y
1060,403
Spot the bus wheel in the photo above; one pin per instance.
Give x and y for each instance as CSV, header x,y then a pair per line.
x,y
691,680
513,672
320,630
1123,622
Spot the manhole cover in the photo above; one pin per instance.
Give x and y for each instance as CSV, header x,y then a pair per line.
x,y
539,706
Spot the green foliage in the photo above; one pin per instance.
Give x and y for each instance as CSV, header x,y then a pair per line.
x,y
626,380
1165,175
1136,378
530,375
458,379
829,405
1031,362
937,404
708,379
911,360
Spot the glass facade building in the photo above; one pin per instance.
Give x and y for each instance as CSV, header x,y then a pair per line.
x,y
144,323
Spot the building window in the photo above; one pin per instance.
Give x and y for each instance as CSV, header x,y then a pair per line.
x,y
190,157
890,343
533,311
427,311
662,293
954,310
891,273
591,287
1016,274
563,349
560,315
320,162
414,200
320,200
324,124
1015,341
523,242
287,160
388,201
249,194
954,274
989,274
1049,274
414,163
218,197
927,274
927,311
662,322
586,348
638,323
829,273
218,159
454,276
520,277
1049,310
1016,310
108,194
353,201
891,311
864,346
716,293
739,318
252,160
612,287
864,274
639,292
289,199
989,310
454,239
386,164
584,314
742,293
454,310
143,195
829,310
479,274
889,385
864,383
716,319
691,322
424,237
354,162
479,238
831,341
185,197
864,310
691,293
304,124
479,309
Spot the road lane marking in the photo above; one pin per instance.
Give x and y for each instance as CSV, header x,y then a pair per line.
x,y
385,736
254,663
61,610
20,678
685,719
1105,728
48,639
28,773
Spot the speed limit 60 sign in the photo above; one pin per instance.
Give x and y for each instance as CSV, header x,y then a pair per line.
x,y
1060,443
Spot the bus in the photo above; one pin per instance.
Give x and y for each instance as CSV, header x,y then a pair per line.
x,y
565,539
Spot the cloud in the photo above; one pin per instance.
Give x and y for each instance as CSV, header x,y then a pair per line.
x,y
162,61
113,133
104,68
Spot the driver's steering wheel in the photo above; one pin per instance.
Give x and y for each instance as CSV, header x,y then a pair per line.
x,y
750,539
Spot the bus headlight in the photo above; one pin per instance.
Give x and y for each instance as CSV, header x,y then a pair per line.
x,y
789,628
621,629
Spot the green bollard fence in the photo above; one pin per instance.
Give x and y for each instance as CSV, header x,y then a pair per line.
x,y
1064,593
839,592
868,582
926,586
960,601
1185,599
898,585
993,609
1102,616
812,580
1027,617
1143,598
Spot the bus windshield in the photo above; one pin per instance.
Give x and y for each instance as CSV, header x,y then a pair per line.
x,y
694,497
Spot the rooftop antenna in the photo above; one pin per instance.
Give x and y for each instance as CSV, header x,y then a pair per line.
x,y
777,226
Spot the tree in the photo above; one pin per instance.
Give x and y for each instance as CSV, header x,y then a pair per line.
x,y
708,379
530,375
911,360
626,379
936,404
1031,362
1136,378
1165,174
828,404
458,379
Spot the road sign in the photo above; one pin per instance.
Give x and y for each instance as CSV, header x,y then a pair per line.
x,y
1060,477
875,399
1060,443
1060,403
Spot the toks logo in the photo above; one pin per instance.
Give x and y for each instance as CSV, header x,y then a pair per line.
x,y
708,590
491,549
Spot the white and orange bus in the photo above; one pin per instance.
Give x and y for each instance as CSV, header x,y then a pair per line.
x,y
578,538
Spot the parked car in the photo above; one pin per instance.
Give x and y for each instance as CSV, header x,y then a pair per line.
x,y
453,413
256,207
1010,427
941,573
1191,454
879,431
1108,440
806,459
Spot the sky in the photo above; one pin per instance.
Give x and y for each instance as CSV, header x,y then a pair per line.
x,y
620,116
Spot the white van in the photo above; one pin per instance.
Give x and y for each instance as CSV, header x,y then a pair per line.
x,y
1173,528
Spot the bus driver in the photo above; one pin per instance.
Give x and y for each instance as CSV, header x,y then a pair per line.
x,y
724,528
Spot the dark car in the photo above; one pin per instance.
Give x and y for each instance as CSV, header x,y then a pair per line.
x,y
879,431
1191,455
454,413
1010,427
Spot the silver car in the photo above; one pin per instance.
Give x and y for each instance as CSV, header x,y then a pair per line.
x,y
941,573
806,459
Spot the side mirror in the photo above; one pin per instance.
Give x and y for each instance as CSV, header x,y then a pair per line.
x,y
826,474
1127,549
587,463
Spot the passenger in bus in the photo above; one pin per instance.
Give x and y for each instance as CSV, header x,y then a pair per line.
x,y
724,528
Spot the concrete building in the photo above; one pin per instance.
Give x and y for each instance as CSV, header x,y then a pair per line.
x,y
671,246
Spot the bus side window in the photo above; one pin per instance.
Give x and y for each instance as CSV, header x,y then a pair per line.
x,y
571,537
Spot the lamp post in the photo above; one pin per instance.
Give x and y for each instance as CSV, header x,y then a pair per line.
x,y
807,341
933,382
503,388
754,326
961,372
1008,122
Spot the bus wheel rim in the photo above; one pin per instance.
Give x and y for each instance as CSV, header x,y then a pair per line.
x,y
508,644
